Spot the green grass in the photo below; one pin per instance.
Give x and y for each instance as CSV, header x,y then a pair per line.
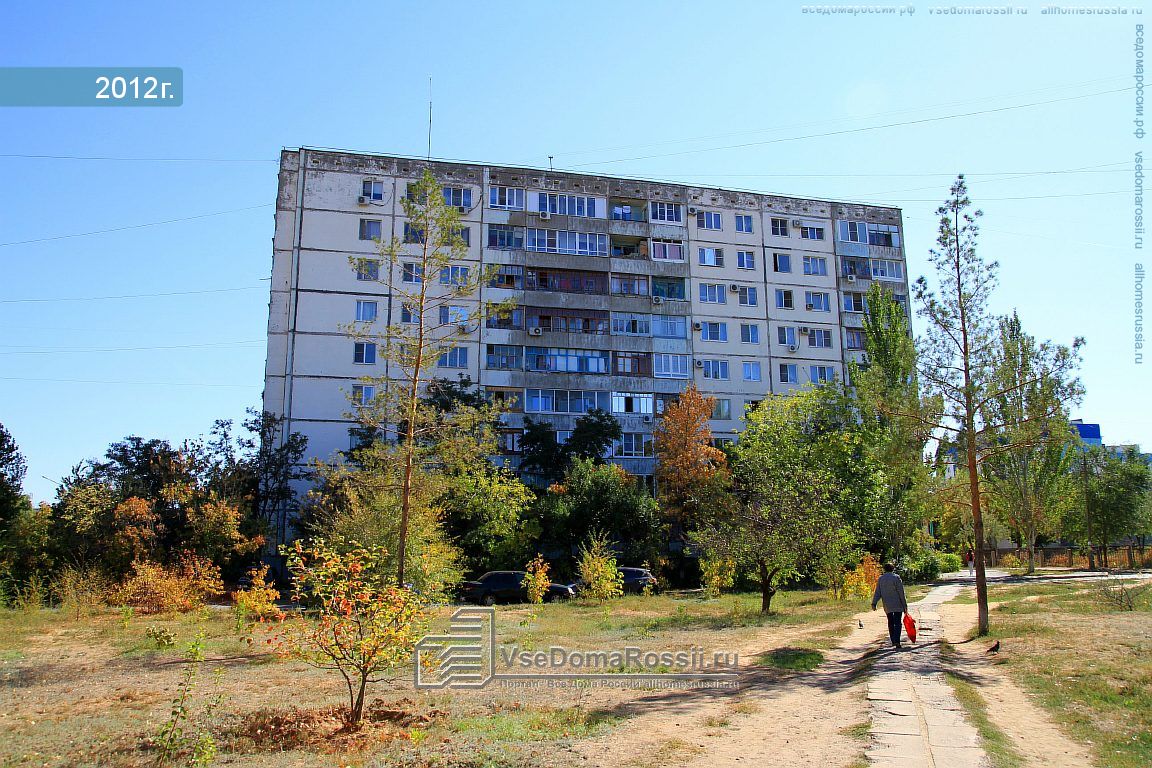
x,y
792,659
996,743
525,725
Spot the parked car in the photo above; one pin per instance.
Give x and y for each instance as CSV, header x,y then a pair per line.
x,y
507,587
635,580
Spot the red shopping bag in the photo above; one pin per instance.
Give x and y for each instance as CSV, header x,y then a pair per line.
x,y
910,627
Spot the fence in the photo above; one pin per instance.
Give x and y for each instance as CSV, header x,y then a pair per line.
x,y
1131,556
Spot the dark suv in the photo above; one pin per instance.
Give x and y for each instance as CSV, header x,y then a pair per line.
x,y
507,587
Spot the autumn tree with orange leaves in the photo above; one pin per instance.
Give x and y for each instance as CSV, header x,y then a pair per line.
x,y
691,473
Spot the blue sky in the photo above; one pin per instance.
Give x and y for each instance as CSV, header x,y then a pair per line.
x,y
730,94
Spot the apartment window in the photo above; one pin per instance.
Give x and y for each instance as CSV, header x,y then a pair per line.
x,y
788,374
366,311
458,197
505,237
565,241
887,235
456,357
747,296
565,401
670,212
406,314
751,370
507,198
504,357
372,190
713,293
567,205
819,374
364,353
743,222
511,400
454,276
413,234
632,363
669,288
854,302
508,440
415,195
854,339
669,326
815,265
509,319
630,285
563,436
887,269
627,212
745,260
749,333
817,301
453,315
853,231
783,298
363,394
667,250
780,227
631,402
631,324
508,276
634,444
371,229
367,269
721,408
461,235
820,338
411,273
781,262
714,331
712,257
669,366
715,369
812,233
709,220
566,360
786,334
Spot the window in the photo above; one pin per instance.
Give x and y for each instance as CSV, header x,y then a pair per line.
x,y
363,394
367,269
815,265
508,440
565,241
509,319
817,301
721,408
628,212
751,370
508,198
818,374
670,212
456,357
566,281
743,222
563,436
630,285
372,190
566,401
812,233
854,302
667,250
630,402
887,269
713,293
453,315
783,299
709,220
366,311
634,444
406,314
364,353
511,400
413,193
820,338
788,374
712,257
463,234
413,234
454,276
669,288
745,260
505,237
715,369
670,366
566,360
411,273
854,339
567,205
887,235
786,334
853,231
780,227
631,324
749,333
508,276
669,326
370,229
747,296
458,197
502,357
781,262
714,331
632,363
569,320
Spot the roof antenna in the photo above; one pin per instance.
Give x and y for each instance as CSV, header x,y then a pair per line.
x,y
429,117
550,162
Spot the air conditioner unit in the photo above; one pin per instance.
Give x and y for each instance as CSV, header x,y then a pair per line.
x,y
692,210
699,363
646,418
850,278
697,326
797,223
809,307
734,288
462,327
793,347
362,200
657,300
535,331
804,330
545,215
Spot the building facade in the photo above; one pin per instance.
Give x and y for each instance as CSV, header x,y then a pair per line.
x,y
626,291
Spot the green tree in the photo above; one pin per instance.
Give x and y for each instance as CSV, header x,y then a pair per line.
x,y
592,436
13,467
1113,487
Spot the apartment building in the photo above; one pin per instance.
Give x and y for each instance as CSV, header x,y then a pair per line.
x,y
626,291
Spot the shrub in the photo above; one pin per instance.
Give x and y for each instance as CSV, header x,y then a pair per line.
x,y
258,601
597,566
153,588
536,580
718,574
1010,561
861,580
921,566
1122,595
163,638
949,562
80,590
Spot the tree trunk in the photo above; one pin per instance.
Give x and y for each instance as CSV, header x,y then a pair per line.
x,y
767,591
1031,549
357,712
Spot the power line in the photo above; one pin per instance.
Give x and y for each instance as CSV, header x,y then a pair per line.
x,y
62,350
141,159
131,295
132,226
119,383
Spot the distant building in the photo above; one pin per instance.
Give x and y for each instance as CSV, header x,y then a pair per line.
x,y
1089,433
